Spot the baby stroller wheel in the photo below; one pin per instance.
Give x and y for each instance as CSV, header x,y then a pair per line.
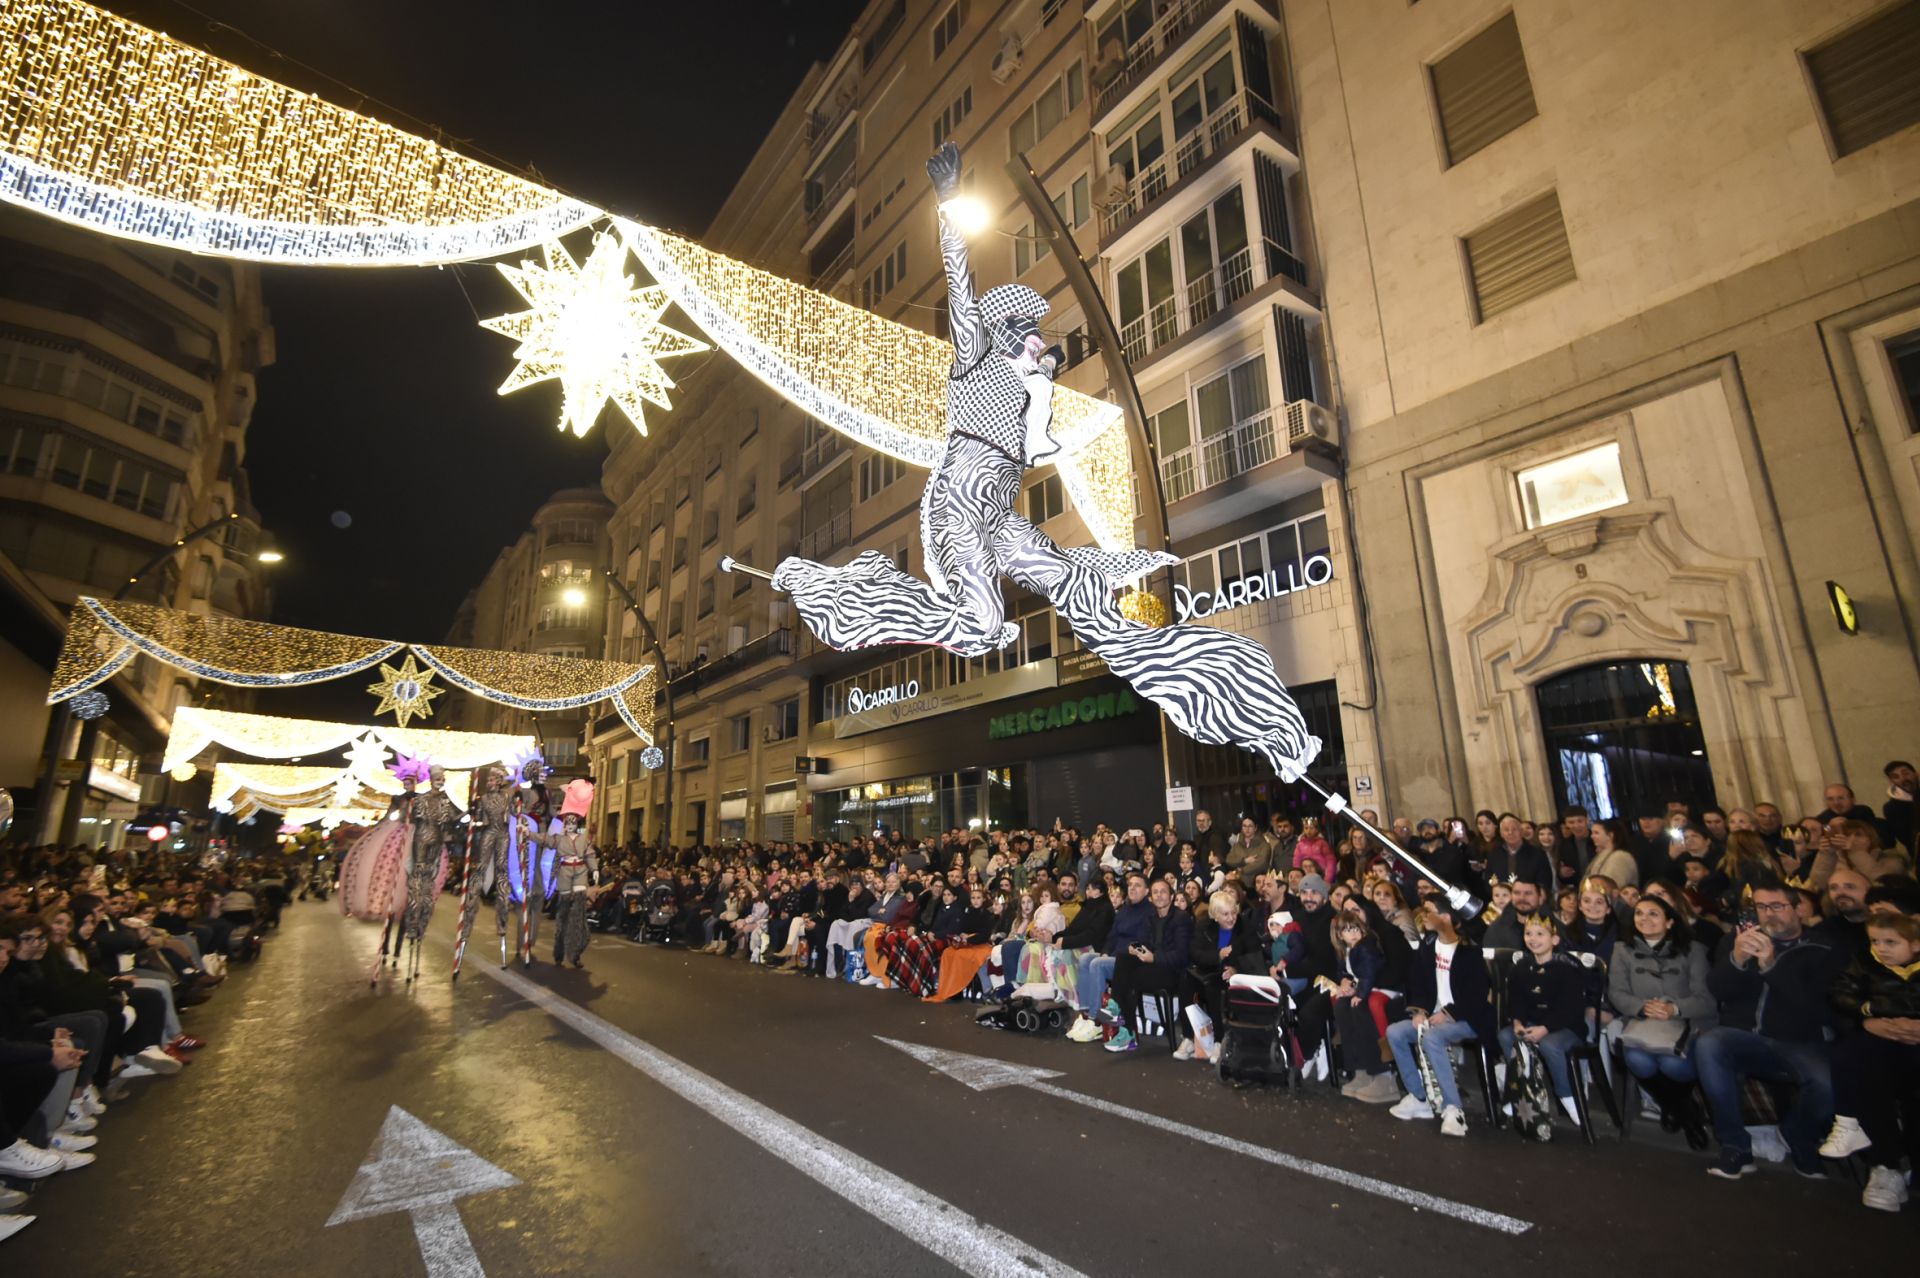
x,y
1056,1019
1220,1065
1026,1021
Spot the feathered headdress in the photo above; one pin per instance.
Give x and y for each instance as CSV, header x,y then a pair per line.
x,y
526,766
411,767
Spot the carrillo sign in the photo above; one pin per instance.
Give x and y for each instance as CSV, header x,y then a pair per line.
x,y
859,699
1191,605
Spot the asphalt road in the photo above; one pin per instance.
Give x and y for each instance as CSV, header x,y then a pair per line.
x,y
662,1112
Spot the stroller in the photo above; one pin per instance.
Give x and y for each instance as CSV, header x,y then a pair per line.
x,y
656,919
1254,1035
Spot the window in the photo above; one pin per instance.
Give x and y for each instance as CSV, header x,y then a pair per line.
x,y
946,29
698,748
561,617
710,528
706,597
1029,250
676,615
570,531
749,496
739,733
950,116
1481,90
1518,256
1904,355
1196,99
1867,79
883,31
1130,21
201,285
20,449
1138,141
1047,110
1046,499
892,270
100,388
562,752
576,651
785,722
878,471
1572,486
1076,203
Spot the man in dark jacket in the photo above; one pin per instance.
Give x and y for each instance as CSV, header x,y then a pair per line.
x,y
1575,851
1772,981
1129,928
1450,998
1157,962
1208,837
1315,918
1900,815
1508,932
1515,858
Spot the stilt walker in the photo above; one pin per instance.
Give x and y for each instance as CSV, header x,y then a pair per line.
x,y
373,874
576,868
435,822
488,816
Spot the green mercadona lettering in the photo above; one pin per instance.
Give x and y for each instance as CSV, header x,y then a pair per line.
x,y
1063,714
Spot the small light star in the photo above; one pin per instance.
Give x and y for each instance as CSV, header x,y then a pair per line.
x,y
591,329
407,691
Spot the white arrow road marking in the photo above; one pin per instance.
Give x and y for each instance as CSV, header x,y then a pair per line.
x,y
963,1241
415,1169
982,1073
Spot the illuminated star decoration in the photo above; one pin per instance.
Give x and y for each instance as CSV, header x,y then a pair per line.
x,y
366,757
594,331
407,691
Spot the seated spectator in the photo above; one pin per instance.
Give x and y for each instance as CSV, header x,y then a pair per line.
x,y
1223,945
1900,816
1545,1006
1392,904
1508,929
1513,858
1844,912
1082,940
1449,1001
1157,961
1658,985
1596,927
1357,1005
1771,980
1855,844
1876,1063
1612,857
962,961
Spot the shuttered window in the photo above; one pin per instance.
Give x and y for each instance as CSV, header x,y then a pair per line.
x,y
1519,255
1868,79
1482,91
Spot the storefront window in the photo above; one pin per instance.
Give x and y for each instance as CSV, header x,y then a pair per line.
x,y
925,806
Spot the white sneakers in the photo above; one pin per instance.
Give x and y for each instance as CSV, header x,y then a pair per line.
x,y
157,1060
1573,1110
1184,1052
1084,1030
1411,1106
1886,1188
1845,1139
11,1225
65,1143
28,1162
1453,1121
77,1121
870,980
1317,1068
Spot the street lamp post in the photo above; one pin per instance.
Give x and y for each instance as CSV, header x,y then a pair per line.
x,y
666,687
90,728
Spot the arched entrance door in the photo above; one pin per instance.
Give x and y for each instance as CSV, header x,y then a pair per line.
x,y
1622,735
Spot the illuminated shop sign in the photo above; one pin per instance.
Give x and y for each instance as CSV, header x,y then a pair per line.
x,y
1192,605
1062,714
859,699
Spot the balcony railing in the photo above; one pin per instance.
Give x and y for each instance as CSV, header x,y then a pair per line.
x,y
829,195
1220,457
823,124
1209,138
1205,297
825,447
829,537
775,643
1140,58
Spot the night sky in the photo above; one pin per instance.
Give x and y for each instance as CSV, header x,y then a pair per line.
x,y
382,402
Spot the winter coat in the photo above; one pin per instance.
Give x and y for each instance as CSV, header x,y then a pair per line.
x,y
1316,928
1641,973
1245,953
1089,927
1547,993
1472,987
1176,938
1130,928
1364,964
1871,989
1788,1003
1314,856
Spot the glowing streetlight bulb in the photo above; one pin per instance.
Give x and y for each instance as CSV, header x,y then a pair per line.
x,y
968,214
574,597
271,556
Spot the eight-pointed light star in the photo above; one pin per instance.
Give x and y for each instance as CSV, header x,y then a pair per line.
x,y
592,330
407,691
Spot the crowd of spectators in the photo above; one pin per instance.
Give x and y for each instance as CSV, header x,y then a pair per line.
x,y
1745,978
101,955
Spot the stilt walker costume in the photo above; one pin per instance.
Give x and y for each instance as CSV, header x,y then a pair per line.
x,y
487,866
576,868
435,823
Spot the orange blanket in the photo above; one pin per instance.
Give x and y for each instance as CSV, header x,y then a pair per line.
x,y
958,966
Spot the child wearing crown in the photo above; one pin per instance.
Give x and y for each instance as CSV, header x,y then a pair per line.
x,y
1545,1004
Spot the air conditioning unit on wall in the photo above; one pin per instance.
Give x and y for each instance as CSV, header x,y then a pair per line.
x,y
1007,61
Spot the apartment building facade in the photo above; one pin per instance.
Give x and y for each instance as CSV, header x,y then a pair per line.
x,y
1160,140
127,384
543,595
1624,300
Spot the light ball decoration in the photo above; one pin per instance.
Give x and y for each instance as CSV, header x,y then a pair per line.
x,y
184,771
1144,608
653,758
90,705
158,833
